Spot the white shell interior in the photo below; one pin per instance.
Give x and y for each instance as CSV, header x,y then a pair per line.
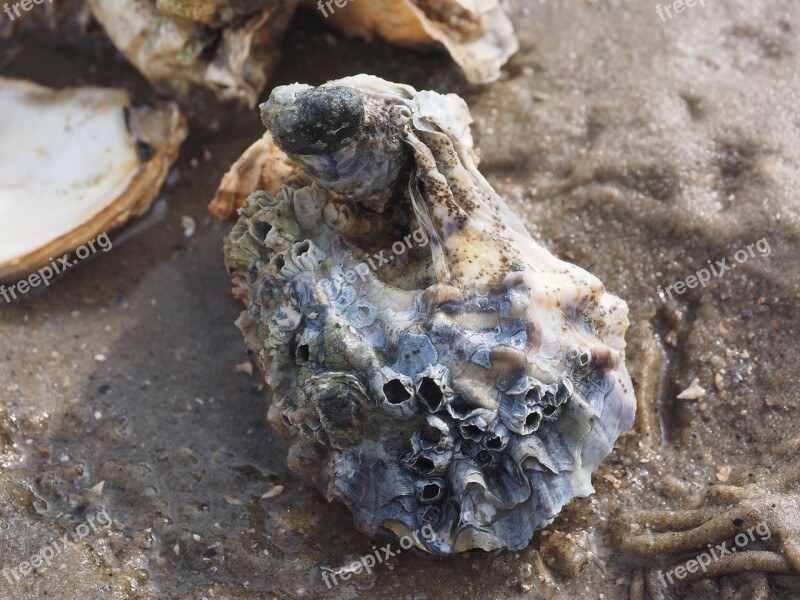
x,y
64,157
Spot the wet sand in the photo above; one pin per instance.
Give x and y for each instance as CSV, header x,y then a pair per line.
x,y
638,148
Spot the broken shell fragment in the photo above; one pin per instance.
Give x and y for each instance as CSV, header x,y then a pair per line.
x,y
429,362
477,33
74,164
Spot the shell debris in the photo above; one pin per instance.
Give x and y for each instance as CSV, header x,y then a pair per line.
x,y
694,392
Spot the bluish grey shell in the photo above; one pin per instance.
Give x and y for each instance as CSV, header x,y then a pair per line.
x,y
466,379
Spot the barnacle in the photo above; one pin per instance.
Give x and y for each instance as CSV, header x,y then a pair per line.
x,y
726,511
430,363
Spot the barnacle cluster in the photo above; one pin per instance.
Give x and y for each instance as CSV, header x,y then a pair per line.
x,y
429,362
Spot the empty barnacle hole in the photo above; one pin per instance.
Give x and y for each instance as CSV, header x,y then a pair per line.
x,y
302,353
430,490
423,465
534,394
532,421
461,407
432,434
494,442
300,248
396,392
278,262
430,394
549,411
260,229
471,431
584,356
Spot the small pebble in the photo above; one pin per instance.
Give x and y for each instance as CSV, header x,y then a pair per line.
x,y
245,367
525,570
275,491
719,383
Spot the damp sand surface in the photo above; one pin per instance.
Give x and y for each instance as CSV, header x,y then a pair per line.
x,y
636,147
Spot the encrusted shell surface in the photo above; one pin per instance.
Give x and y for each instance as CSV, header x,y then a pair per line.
x,y
429,362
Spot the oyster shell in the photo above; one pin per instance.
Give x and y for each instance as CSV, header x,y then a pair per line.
x,y
186,48
230,47
67,19
477,33
263,166
430,363
75,163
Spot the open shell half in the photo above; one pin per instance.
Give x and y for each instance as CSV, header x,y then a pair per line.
x,y
75,163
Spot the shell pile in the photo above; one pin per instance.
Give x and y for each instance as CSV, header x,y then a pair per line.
x,y
430,363
199,50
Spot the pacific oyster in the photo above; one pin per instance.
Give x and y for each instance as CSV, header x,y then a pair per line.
x,y
190,48
477,33
430,363
230,47
75,163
